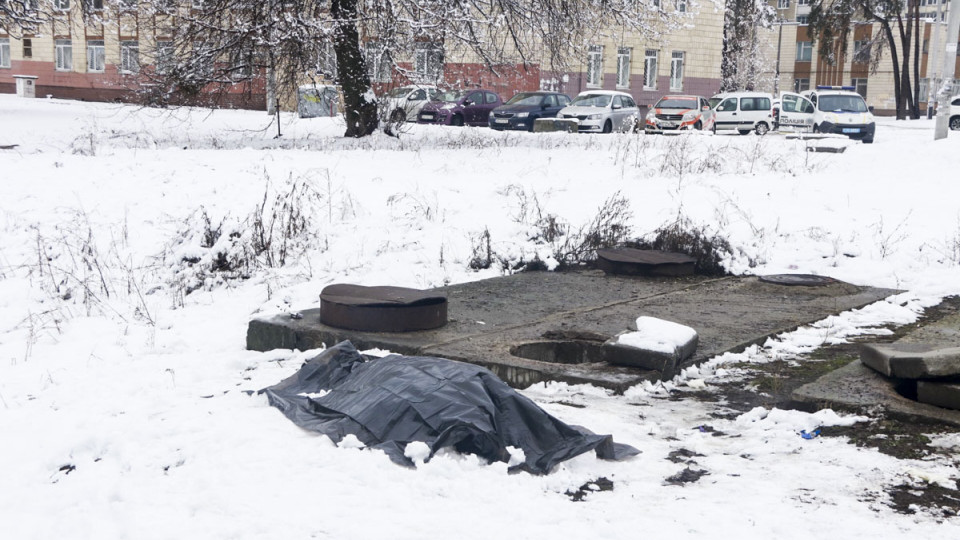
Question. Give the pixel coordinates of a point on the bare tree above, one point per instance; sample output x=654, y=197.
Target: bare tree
x=224, y=43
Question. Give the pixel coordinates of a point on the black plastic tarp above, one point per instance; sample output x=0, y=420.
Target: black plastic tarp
x=391, y=401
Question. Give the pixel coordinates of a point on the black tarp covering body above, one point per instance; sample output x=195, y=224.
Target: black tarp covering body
x=391, y=401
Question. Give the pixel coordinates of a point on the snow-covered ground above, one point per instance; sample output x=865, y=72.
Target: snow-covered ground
x=124, y=403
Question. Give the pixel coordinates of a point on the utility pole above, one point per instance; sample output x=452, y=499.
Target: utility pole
x=949, y=68
x=776, y=78
x=932, y=68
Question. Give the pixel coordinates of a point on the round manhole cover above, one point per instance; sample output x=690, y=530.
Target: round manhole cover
x=798, y=280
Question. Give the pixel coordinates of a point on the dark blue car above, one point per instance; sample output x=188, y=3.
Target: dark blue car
x=525, y=107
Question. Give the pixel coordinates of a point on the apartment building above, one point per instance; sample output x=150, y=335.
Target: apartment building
x=801, y=67
x=111, y=53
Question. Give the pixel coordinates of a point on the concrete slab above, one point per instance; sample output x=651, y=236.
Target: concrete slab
x=941, y=394
x=537, y=326
x=858, y=388
x=910, y=360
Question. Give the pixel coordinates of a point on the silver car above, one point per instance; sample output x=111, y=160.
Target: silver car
x=602, y=111
x=404, y=103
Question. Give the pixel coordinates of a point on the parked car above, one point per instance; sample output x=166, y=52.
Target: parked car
x=743, y=111
x=838, y=109
x=405, y=102
x=523, y=109
x=675, y=113
x=602, y=111
x=955, y=113
x=460, y=108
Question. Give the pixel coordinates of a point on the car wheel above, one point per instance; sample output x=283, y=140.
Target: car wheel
x=698, y=126
x=713, y=128
x=868, y=141
x=398, y=117
x=955, y=123
x=762, y=128
x=608, y=126
x=457, y=120
x=816, y=128
x=743, y=131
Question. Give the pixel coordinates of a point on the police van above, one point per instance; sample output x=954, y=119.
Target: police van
x=828, y=109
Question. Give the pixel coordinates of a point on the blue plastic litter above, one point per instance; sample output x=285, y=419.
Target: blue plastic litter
x=812, y=435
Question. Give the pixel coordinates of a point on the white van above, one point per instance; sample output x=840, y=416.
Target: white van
x=743, y=111
x=828, y=109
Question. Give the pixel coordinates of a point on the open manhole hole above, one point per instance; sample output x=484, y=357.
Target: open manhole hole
x=644, y=262
x=561, y=352
x=381, y=309
x=798, y=280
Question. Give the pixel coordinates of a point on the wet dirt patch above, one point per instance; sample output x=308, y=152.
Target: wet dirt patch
x=686, y=476
x=600, y=484
x=932, y=498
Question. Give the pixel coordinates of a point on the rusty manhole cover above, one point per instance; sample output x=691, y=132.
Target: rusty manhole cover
x=381, y=309
x=798, y=280
x=647, y=262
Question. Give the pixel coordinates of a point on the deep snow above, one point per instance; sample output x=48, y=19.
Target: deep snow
x=124, y=409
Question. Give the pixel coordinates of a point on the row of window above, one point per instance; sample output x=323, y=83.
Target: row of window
x=624, y=60
x=97, y=5
x=96, y=55
x=859, y=84
x=861, y=51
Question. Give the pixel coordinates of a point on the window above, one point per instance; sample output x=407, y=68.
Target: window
x=92, y=5
x=729, y=104
x=676, y=71
x=861, y=51
x=804, y=51
x=801, y=85
x=196, y=4
x=682, y=6
x=923, y=94
x=429, y=62
x=650, y=70
x=4, y=52
x=926, y=46
x=61, y=5
x=628, y=102
x=803, y=2
x=755, y=104
x=783, y=4
x=28, y=48
x=326, y=63
x=128, y=5
x=164, y=6
x=241, y=63
x=378, y=61
x=95, y=56
x=595, y=65
x=64, y=55
x=861, y=87
x=623, y=67
x=129, y=56
x=490, y=97
x=165, y=56
x=803, y=19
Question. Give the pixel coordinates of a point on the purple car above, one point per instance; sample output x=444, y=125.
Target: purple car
x=460, y=108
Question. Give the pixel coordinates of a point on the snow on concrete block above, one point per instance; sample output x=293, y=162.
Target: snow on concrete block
x=656, y=344
x=946, y=395
x=911, y=360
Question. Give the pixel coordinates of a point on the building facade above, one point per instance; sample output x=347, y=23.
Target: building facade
x=801, y=67
x=105, y=53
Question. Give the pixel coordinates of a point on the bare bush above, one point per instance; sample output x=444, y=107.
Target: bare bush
x=682, y=236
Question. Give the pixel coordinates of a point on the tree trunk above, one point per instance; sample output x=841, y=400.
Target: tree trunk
x=906, y=101
x=916, y=59
x=359, y=112
x=891, y=41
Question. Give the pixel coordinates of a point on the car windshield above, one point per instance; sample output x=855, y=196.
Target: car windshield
x=451, y=96
x=591, y=100
x=400, y=92
x=841, y=104
x=526, y=99
x=676, y=103
x=714, y=101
